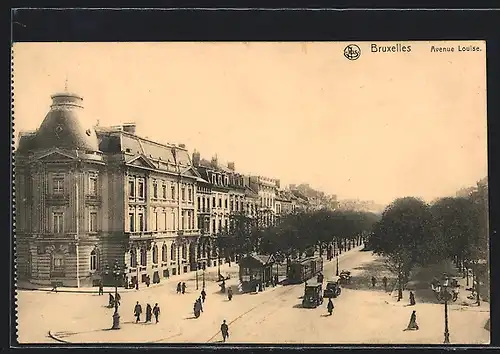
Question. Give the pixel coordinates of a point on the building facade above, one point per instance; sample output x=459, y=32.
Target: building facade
x=266, y=188
x=87, y=197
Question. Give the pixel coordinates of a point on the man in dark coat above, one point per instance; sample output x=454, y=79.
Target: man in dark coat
x=149, y=313
x=374, y=281
x=413, y=322
x=137, y=284
x=203, y=295
x=156, y=312
x=183, y=288
x=384, y=281
x=179, y=288
x=101, y=288
x=137, y=312
x=224, y=328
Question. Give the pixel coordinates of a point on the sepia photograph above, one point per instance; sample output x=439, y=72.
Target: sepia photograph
x=223, y=193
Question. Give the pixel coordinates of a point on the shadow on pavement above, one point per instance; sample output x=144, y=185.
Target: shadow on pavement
x=298, y=306
x=363, y=280
x=326, y=315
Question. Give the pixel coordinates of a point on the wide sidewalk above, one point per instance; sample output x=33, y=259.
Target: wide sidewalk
x=209, y=272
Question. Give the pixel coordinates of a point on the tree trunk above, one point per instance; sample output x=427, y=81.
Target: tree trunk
x=400, y=287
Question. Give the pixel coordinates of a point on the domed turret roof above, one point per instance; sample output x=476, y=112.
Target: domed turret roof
x=64, y=126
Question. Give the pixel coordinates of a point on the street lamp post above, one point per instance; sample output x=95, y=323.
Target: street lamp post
x=443, y=293
x=337, y=271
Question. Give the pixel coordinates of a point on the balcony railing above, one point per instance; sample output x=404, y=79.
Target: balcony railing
x=92, y=199
x=57, y=198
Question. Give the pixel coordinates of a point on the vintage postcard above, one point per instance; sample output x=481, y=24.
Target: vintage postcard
x=227, y=193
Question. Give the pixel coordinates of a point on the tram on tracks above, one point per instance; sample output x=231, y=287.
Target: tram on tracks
x=304, y=269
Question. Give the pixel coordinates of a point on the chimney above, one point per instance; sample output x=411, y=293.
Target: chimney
x=129, y=127
x=215, y=162
x=278, y=182
x=230, y=165
x=196, y=158
x=182, y=146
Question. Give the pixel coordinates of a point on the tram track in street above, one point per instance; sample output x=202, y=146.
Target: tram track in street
x=287, y=290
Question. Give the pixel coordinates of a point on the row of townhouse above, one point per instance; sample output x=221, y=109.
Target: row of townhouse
x=89, y=197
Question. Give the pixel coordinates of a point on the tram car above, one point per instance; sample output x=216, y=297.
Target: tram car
x=304, y=269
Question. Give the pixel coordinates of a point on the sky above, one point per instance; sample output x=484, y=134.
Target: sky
x=384, y=126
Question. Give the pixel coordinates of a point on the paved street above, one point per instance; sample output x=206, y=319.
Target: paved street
x=274, y=316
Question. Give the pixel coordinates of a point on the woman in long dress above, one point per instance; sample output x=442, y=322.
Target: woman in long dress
x=149, y=313
x=413, y=322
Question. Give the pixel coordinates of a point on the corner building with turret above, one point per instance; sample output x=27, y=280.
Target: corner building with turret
x=87, y=197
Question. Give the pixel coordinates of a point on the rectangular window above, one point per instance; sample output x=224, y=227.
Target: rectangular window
x=232, y=205
x=155, y=190
x=93, y=261
x=165, y=220
x=220, y=202
x=220, y=226
x=190, y=194
x=183, y=193
x=164, y=191
x=131, y=189
x=237, y=205
x=203, y=207
x=213, y=202
x=131, y=222
x=140, y=187
x=93, y=185
x=172, y=190
x=173, y=221
x=199, y=204
x=141, y=222
x=58, y=222
x=225, y=203
x=183, y=219
x=58, y=263
x=58, y=187
x=214, y=181
x=213, y=227
x=93, y=221
x=155, y=221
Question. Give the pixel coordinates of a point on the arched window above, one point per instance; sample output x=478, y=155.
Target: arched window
x=133, y=258
x=155, y=254
x=172, y=253
x=164, y=253
x=93, y=261
x=144, y=256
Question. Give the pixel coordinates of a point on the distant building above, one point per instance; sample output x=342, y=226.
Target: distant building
x=266, y=188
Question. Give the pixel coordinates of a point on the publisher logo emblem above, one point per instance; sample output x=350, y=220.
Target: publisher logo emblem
x=352, y=52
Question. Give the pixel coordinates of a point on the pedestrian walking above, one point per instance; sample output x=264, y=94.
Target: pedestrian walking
x=413, y=322
x=137, y=312
x=148, y=281
x=384, y=281
x=183, y=288
x=156, y=312
x=230, y=294
x=203, y=295
x=200, y=304
x=137, y=284
x=179, y=288
x=374, y=281
x=149, y=313
x=330, y=306
x=197, y=309
x=101, y=288
x=412, y=298
x=224, y=328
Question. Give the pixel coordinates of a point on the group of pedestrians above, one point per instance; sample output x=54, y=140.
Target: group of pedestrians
x=150, y=311
x=198, y=303
x=384, y=282
x=181, y=288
